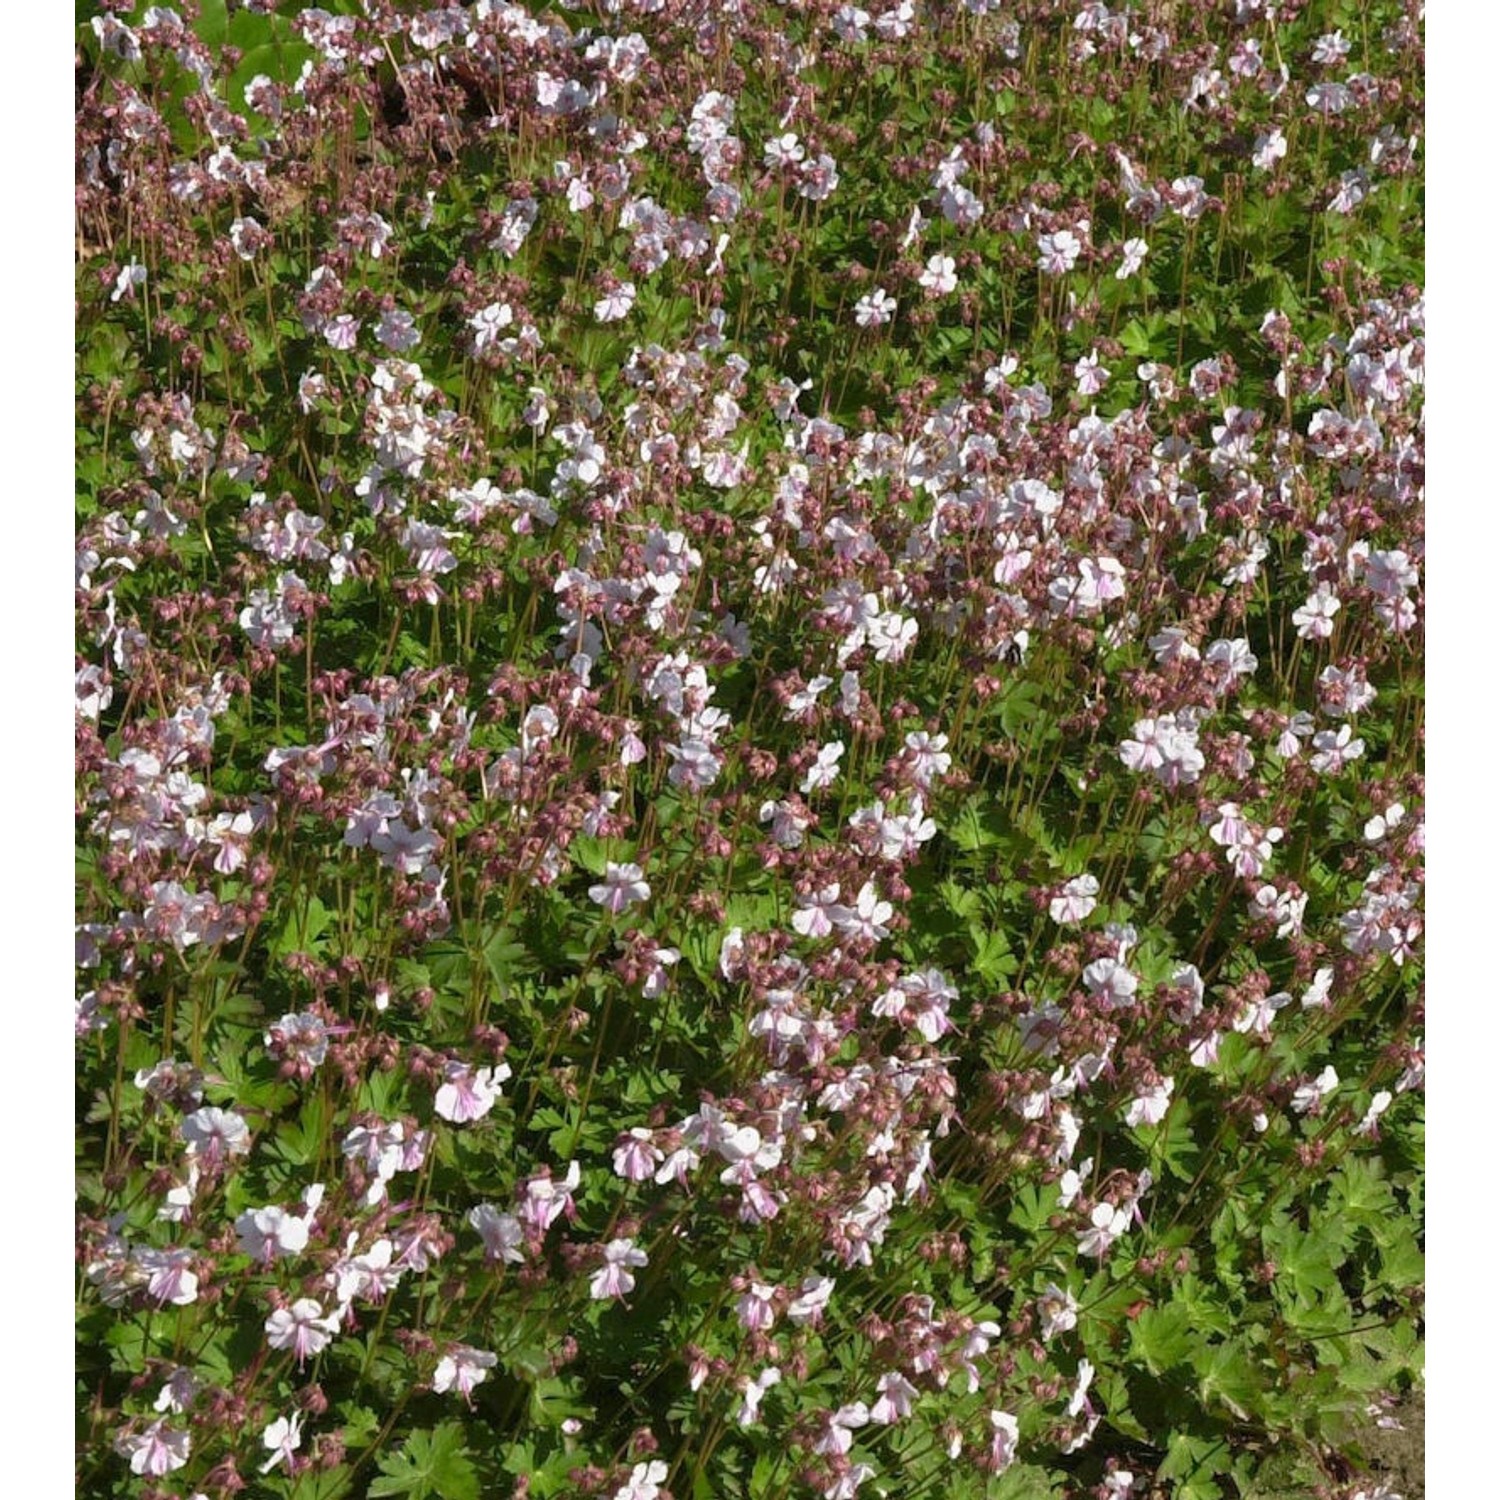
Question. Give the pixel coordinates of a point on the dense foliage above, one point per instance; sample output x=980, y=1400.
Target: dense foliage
x=749, y=748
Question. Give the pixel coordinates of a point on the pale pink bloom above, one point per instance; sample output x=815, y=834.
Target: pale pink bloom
x=1075, y=901
x=1106, y=1225
x=461, y=1369
x=467, y=1094
x=342, y=332
x=1256, y=1016
x=544, y=1199
x=897, y=1397
x=213, y=1135
x=868, y=917
x=501, y=1232
x=819, y=178
x=846, y=1481
x=645, y=1482
x=1333, y=750
x=1007, y=1431
x=265, y=1233
x=1058, y=253
x=807, y=1307
x=929, y=756
x=398, y=330
x=622, y=886
x=1378, y=1106
x=636, y=1157
x=1314, y=619
x=613, y=1279
x=756, y=1308
x=754, y=1393
x=369, y=1276
x=283, y=1437
x=1316, y=994
x=837, y=1428
x=1270, y=148
x=783, y=151
x=1111, y=981
x=875, y=308
x=825, y=769
x=1150, y=1108
x=132, y=276
x=156, y=1451
x=179, y=1393
x=488, y=324
x=615, y=304
x=1132, y=258
x=303, y=1328
x=168, y=1277
x=939, y=277
x=890, y=635
x=1058, y=1311
x=1091, y=376
x=302, y=1036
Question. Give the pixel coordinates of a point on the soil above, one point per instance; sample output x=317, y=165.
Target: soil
x=1399, y=1457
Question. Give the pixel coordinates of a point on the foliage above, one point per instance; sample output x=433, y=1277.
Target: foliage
x=749, y=748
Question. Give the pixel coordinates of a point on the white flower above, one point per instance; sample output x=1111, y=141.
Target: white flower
x=613, y=306
x=283, y=1437
x=467, y=1094
x=783, y=151
x=1058, y=253
x=622, y=886
x=644, y=1483
x=824, y=771
x=127, y=281
x=1132, y=258
x=1269, y=149
x=462, y=1368
x=939, y=278
x=874, y=308
x=1076, y=900
x=613, y=1278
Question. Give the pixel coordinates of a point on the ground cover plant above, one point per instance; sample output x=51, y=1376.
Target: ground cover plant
x=749, y=748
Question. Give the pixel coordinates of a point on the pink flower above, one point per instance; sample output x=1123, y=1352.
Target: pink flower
x=501, y=1232
x=266, y=1233
x=467, y=1093
x=156, y=1451
x=645, y=1482
x=1075, y=901
x=807, y=1307
x=613, y=1279
x=874, y=308
x=897, y=1397
x=215, y=1134
x=636, y=1156
x=1058, y=1310
x=544, y=1201
x=168, y=1278
x=303, y=1328
x=622, y=886
x=939, y=276
x=616, y=303
x=756, y=1308
x=461, y=1369
x=1003, y=1444
x=1058, y=253
x=283, y=1437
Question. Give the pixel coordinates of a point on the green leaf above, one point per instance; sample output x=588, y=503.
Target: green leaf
x=1163, y=1336
x=429, y=1463
x=1227, y=1375
x=1195, y=1461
